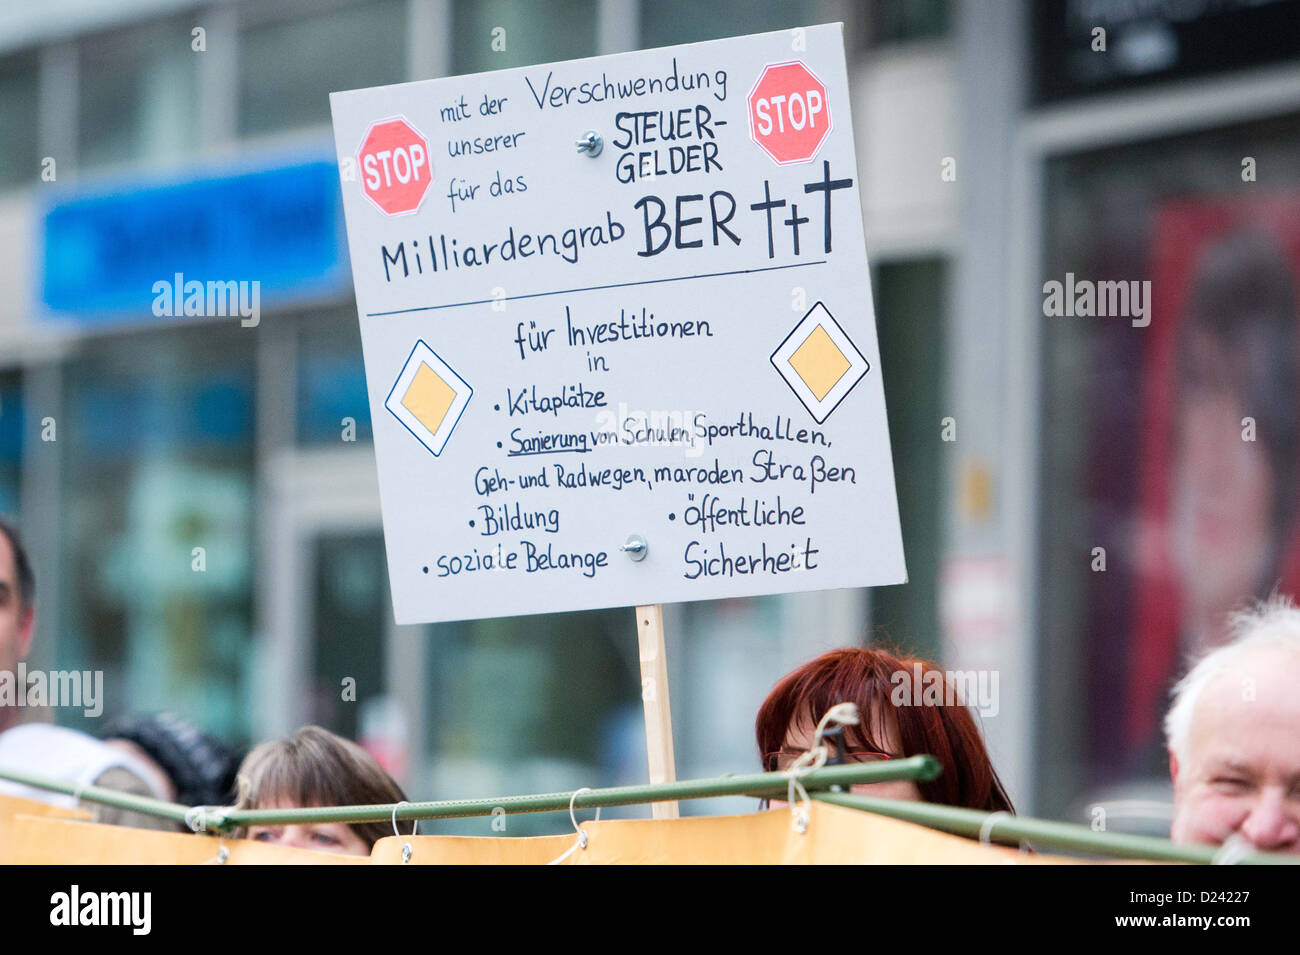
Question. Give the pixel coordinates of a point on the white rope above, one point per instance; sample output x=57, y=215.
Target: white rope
x=581, y=841
x=407, y=849
x=223, y=853
x=842, y=714
x=796, y=794
x=196, y=818
x=991, y=820
x=1234, y=849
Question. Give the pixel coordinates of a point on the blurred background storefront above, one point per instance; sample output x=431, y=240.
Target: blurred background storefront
x=201, y=499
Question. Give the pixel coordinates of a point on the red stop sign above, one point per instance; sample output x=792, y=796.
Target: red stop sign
x=395, y=166
x=789, y=115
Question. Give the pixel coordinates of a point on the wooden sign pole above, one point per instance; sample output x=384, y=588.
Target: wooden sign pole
x=654, y=694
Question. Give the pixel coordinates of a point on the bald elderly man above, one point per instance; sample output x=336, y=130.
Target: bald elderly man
x=1234, y=737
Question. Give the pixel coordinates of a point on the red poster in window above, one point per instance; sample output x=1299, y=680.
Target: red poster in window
x=1216, y=524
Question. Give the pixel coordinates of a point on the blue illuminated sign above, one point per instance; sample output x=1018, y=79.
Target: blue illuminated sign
x=106, y=251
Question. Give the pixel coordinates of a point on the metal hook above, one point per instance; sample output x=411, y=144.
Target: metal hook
x=581, y=842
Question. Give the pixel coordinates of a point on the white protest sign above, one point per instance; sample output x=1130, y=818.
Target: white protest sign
x=672, y=339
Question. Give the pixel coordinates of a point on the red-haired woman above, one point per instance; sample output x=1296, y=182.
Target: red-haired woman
x=874, y=679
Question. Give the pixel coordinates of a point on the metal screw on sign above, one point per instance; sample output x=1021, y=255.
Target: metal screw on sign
x=590, y=143
x=635, y=547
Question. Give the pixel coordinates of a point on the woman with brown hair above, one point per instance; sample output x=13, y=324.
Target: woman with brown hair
x=315, y=768
x=893, y=724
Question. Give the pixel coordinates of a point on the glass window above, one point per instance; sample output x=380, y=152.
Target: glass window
x=722, y=664
x=157, y=534
x=19, y=159
x=1151, y=43
x=1169, y=431
x=910, y=299
x=11, y=441
x=531, y=704
x=496, y=34
x=331, y=383
x=897, y=21
x=350, y=604
x=137, y=95
x=666, y=22
x=288, y=68
x=575, y=714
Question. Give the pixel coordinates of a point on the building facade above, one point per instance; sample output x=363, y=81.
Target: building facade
x=998, y=151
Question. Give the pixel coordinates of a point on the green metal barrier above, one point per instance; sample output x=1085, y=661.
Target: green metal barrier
x=994, y=827
x=1044, y=834
x=757, y=784
x=760, y=785
x=104, y=797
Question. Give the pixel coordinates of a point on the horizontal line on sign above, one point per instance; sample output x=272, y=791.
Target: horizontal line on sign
x=524, y=454
x=595, y=288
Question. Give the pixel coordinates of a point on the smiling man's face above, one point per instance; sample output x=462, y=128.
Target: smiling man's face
x=1241, y=774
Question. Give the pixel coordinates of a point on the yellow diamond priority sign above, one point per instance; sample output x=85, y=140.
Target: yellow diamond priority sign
x=819, y=362
x=428, y=397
